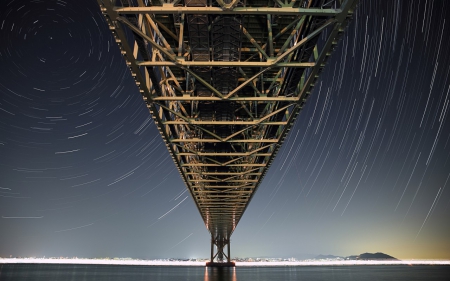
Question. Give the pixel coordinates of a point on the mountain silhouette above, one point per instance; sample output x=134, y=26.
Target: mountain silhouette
x=364, y=256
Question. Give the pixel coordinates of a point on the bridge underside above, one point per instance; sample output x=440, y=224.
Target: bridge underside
x=224, y=81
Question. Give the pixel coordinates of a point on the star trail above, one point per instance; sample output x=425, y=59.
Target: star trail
x=84, y=171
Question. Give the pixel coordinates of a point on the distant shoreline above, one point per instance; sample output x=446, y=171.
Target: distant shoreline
x=202, y=263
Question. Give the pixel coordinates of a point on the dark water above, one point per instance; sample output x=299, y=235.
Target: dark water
x=171, y=273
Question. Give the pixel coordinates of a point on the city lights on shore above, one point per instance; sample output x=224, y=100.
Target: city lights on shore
x=194, y=262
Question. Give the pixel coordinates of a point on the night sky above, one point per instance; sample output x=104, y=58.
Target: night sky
x=84, y=171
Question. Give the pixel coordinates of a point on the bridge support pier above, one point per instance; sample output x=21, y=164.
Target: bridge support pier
x=220, y=258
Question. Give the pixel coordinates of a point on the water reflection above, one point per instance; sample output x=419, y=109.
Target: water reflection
x=46, y=272
x=220, y=274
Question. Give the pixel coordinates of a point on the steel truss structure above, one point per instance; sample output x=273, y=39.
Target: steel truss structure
x=224, y=81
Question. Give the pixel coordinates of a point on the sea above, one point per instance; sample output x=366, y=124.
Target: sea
x=90, y=272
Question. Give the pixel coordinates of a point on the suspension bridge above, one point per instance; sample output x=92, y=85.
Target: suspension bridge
x=224, y=81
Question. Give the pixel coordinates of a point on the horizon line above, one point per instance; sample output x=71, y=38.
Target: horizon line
x=202, y=263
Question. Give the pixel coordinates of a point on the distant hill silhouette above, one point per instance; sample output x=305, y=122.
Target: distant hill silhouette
x=365, y=256
x=376, y=256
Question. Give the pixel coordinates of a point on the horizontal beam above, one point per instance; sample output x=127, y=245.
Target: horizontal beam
x=206, y=204
x=215, y=213
x=223, y=180
x=226, y=218
x=223, y=192
x=224, y=198
x=224, y=186
x=216, y=207
x=182, y=63
x=223, y=214
x=227, y=214
x=231, y=201
x=223, y=165
x=215, y=210
x=223, y=173
x=261, y=98
x=230, y=154
x=229, y=141
x=242, y=79
x=168, y=9
x=236, y=122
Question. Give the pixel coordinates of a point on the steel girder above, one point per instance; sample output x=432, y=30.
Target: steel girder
x=224, y=83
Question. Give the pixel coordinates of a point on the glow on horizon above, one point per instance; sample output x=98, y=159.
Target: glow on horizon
x=238, y=264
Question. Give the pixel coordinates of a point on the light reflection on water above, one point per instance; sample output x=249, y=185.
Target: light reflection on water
x=220, y=274
x=73, y=272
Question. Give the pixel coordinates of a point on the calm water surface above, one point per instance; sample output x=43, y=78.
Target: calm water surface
x=66, y=272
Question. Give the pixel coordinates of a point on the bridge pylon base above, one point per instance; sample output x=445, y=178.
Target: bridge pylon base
x=220, y=257
x=220, y=264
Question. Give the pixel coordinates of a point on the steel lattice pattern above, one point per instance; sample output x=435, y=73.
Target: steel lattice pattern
x=224, y=81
